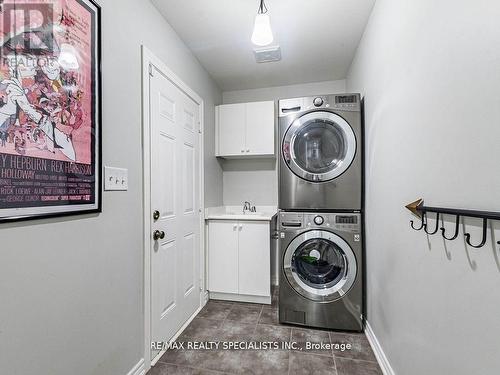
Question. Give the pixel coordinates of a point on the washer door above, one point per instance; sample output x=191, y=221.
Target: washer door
x=320, y=266
x=319, y=146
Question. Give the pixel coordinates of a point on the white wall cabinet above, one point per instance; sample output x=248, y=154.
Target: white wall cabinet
x=239, y=260
x=245, y=130
x=231, y=130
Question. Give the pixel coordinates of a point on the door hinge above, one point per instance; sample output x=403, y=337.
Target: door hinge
x=151, y=70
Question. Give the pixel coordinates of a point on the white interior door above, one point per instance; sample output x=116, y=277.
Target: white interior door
x=175, y=195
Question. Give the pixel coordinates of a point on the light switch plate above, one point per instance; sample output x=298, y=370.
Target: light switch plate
x=115, y=179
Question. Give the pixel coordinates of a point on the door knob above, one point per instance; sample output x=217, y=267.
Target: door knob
x=156, y=215
x=158, y=235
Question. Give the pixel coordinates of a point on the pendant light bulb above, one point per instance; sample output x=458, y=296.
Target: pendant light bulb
x=262, y=32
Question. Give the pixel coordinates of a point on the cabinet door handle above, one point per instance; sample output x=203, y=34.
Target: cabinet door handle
x=235, y=226
x=248, y=150
x=241, y=226
x=242, y=150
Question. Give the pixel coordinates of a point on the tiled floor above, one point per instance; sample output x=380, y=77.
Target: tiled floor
x=231, y=321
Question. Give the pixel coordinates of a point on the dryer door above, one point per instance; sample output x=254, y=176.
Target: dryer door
x=319, y=146
x=320, y=266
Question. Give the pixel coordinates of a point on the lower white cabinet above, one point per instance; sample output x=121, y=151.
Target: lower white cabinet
x=239, y=260
x=223, y=256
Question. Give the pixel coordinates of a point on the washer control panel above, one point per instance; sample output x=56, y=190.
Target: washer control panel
x=295, y=221
x=348, y=222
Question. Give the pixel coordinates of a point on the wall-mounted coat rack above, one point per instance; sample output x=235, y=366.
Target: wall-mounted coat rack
x=421, y=211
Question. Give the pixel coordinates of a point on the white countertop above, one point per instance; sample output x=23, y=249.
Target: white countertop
x=264, y=213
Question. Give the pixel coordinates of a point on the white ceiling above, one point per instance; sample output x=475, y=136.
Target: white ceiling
x=318, y=38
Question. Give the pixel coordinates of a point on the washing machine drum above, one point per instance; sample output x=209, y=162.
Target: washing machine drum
x=319, y=146
x=320, y=265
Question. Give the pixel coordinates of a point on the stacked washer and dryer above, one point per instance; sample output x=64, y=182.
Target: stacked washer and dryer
x=321, y=207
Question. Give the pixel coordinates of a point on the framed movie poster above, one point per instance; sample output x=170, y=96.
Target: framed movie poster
x=50, y=108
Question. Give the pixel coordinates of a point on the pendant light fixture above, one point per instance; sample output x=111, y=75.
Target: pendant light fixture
x=262, y=33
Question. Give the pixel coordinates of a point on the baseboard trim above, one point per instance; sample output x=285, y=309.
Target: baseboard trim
x=240, y=298
x=205, y=298
x=138, y=369
x=176, y=336
x=379, y=352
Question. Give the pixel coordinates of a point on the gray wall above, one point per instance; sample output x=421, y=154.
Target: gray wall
x=430, y=73
x=256, y=180
x=283, y=92
x=71, y=289
x=253, y=180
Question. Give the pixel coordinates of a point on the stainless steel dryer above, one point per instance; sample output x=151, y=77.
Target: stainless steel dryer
x=321, y=153
x=321, y=270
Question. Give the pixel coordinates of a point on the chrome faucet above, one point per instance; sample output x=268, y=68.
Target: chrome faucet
x=248, y=207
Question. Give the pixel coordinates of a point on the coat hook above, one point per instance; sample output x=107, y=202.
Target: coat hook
x=467, y=236
x=457, y=224
x=437, y=226
x=423, y=222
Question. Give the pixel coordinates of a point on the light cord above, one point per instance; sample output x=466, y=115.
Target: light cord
x=262, y=8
